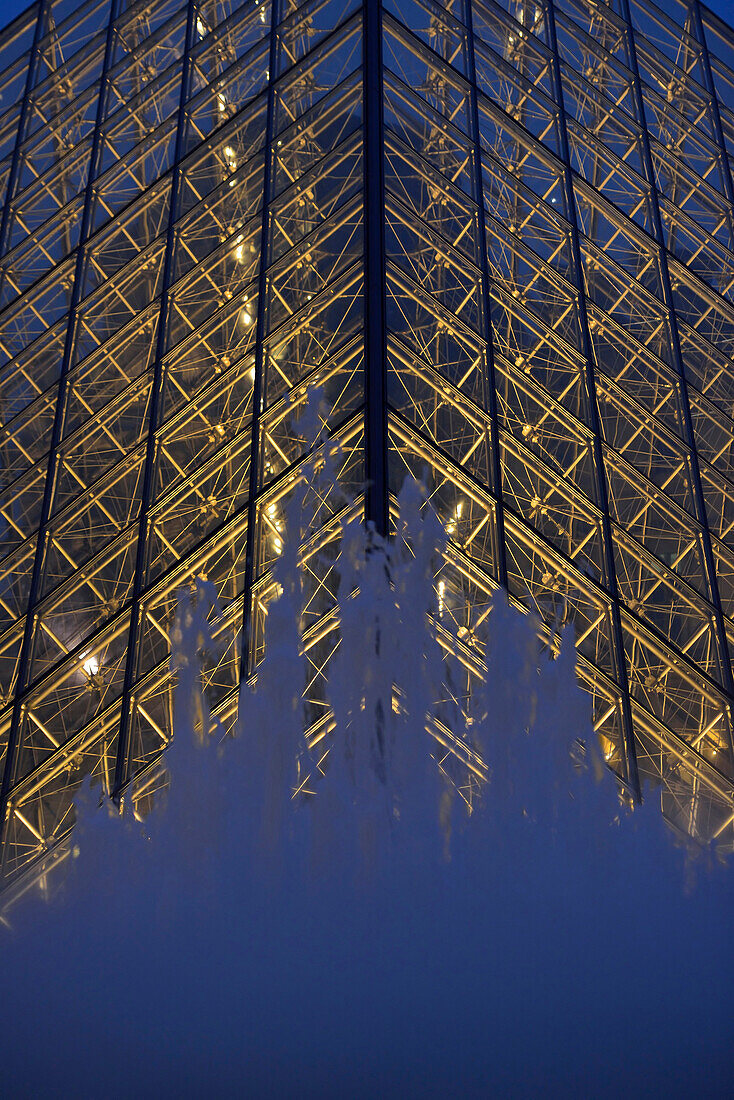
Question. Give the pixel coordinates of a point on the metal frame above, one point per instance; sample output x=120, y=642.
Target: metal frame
x=499, y=237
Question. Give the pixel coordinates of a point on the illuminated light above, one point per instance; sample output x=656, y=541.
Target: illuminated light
x=277, y=544
x=90, y=666
x=271, y=509
x=307, y=346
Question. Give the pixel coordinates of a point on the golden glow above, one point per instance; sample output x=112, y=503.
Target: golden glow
x=90, y=666
x=518, y=489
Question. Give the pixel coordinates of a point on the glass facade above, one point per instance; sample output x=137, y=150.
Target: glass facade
x=499, y=238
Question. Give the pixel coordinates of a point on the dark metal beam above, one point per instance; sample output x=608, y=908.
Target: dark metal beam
x=377, y=497
x=668, y=301
x=251, y=545
x=122, y=776
x=26, y=653
x=489, y=380
x=631, y=776
x=35, y=55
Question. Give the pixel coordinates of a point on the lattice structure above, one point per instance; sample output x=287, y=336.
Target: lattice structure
x=500, y=238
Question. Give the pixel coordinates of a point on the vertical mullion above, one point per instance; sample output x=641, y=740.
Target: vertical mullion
x=377, y=495
x=33, y=61
x=122, y=777
x=489, y=380
x=715, y=113
x=669, y=304
x=631, y=776
x=24, y=663
x=246, y=652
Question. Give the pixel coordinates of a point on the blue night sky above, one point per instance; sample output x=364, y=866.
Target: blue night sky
x=724, y=8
